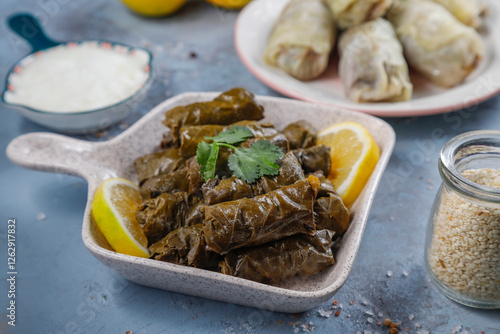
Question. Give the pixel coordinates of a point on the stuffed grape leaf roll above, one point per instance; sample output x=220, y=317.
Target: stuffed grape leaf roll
x=372, y=65
x=316, y=158
x=230, y=189
x=253, y=221
x=191, y=136
x=232, y=106
x=435, y=43
x=165, y=183
x=300, y=134
x=154, y=164
x=167, y=212
x=297, y=255
x=302, y=39
x=185, y=246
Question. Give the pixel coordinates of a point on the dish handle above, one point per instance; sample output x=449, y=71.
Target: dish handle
x=28, y=27
x=59, y=154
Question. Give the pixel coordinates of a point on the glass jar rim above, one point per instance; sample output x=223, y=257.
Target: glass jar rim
x=452, y=177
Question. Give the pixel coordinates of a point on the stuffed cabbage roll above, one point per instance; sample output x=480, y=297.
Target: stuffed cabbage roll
x=466, y=11
x=165, y=183
x=350, y=13
x=300, y=134
x=230, y=189
x=315, y=158
x=298, y=255
x=185, y=246
x=232, y=106
x=154, y=164
x=302, y=39
x=167, y=212
x=254, y=221
x=372, y=65
x=435, y=43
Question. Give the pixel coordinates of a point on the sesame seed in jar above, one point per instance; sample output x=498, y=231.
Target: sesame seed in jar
x=464, y=252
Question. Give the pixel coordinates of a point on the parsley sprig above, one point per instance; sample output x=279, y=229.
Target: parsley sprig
x=248, y=164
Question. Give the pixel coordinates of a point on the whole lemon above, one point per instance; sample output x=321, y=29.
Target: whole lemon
x=154, y=7
x=230, y=4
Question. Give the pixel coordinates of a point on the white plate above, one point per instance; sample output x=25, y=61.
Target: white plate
x=96, y=162
x=254, y=25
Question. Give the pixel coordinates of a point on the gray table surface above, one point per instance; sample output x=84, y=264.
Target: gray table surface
x=62, y=288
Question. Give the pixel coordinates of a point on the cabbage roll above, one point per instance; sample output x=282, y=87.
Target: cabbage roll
x=350, y=13
x=435, y=43
x=232, y=106
x=300, y=134
x=298, y=255
x=167, y=212
x=466, y=11
x=372, y=65
x=302, y=39
x=254, y=221
x=230, y=189
x=185, y=246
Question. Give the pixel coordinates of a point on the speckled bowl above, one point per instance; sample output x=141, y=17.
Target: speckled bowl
x=71, y=122
x=96, y=162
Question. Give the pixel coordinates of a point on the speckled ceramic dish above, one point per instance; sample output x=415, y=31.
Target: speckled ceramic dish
x=80, y=121
x=96, y=162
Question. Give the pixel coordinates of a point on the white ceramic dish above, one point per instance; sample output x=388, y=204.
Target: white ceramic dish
x=81, y=121
x=255, y=23
x=96, y=162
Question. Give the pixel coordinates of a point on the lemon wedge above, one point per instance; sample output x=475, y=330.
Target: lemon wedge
x=354, y=157
x=154, y=7
x=230, y=4
x=113, y=209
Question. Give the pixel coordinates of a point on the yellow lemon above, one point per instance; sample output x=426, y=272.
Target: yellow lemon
x=113, y=209
x=354, y=157
x=230, y=4
x=154, y=7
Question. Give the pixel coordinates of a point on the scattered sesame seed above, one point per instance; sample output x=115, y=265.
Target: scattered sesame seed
x=417, y=325
x=389, y=273
x=41, y=216
x=411, y=317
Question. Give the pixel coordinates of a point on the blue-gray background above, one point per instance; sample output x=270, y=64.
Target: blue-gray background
x=61, y=288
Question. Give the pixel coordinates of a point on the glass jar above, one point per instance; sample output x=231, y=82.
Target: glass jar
x=462, y=251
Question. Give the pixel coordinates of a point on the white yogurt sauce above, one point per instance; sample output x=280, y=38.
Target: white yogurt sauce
x=78, y=77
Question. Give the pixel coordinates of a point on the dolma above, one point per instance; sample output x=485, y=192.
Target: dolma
x=185, y=246
x=167, y=212
x=435, y=43
x=165, y=183
x=254, y=221
x=466, y=11
x=316, y=158
x=230, y=189
x=191, y=136
x=273, y=262
x=300, y=134
x=331, y=213
x=302, y=39
x=232, y=106
x=154, y=164
x=194, y=176
x=277, y=139
x=350, y=13
x=372, y=65
x=329, y=209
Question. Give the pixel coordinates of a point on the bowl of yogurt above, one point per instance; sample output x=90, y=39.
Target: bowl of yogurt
x=75, y=87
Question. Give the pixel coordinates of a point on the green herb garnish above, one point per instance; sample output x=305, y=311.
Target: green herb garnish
x=248, y=164
x=236, y=134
